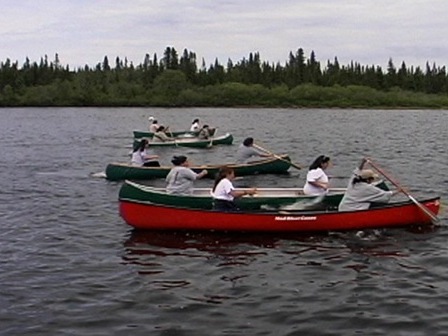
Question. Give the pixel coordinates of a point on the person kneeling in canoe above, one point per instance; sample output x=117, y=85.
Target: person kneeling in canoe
x=204, y=133
x=195, y=125
x=316, y=178
x=224, y=193
x=361, y=193
x=141, y=158
x=153, y=125
x=180, y=179
x=246, y=151
x=160, y=135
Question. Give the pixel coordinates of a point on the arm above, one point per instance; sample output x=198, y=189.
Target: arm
x=319, y=184
x=190, y=174
x=240, y=193
x=201, y=174
x=256, y=152
x=363, y=162
x=358, y=169
x=151, y=157
x=376, y=195
x=162, y=136
x=166, y=137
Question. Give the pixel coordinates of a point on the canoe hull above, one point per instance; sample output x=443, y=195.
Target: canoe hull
x=123, y=171
x=176, y=134
x=226, y=139
x=156, y=217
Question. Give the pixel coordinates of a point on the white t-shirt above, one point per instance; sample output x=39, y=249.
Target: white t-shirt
x=194, y=127
x=315, y=175
x=223, y=189
x=153, y=128
x=138, y=158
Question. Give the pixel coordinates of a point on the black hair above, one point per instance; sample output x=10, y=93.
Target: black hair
x=140, y=145
x=248, y=142
x=319, y=161
x=160, y=128
x=222, y=173
x=178, y=160
x=358, y=179
x=195, y=121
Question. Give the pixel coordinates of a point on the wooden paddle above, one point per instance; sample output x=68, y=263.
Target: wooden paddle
x=421, y=206
x=276, y=156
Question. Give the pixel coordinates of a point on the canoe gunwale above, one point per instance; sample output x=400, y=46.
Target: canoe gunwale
x=289, y=212
x=225, y=139
x=264, y=192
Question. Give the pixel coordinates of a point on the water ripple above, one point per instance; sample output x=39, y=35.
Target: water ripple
x=71, y=266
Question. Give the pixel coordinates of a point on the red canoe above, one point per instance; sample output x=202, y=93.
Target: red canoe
x=141, y=215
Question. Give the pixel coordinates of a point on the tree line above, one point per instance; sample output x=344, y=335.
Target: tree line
x=177, y=80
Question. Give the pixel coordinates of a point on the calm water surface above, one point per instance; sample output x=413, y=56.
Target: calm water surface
x=71, y=266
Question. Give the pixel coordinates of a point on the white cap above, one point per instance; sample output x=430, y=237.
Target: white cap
x=151, y=118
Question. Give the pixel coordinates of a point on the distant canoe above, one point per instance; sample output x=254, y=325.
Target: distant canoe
x=125, y=171
x=201, y=198
x=175, y=134
x=194, y=142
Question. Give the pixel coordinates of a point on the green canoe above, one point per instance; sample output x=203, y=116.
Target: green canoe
x=175, y=134
x=265, y=198
x=226, y=139
x=125, y=171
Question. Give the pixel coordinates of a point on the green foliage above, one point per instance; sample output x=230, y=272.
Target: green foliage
x=176, y=80
x=170, y=83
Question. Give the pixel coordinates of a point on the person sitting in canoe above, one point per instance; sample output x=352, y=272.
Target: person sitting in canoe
x=180, y=179
x=361, y=193
x=195, y=126
x=160, y=135
x=247, y=151
x=316, y=179
x=140, y=156
x=224, y=193
x=204, y=133
x=153, y=125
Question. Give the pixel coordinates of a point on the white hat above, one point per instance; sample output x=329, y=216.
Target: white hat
x=151, y=118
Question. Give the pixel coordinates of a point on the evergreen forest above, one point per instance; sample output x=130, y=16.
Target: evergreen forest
x=176, y=80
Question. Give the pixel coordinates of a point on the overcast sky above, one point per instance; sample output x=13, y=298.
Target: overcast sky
x=365, y=31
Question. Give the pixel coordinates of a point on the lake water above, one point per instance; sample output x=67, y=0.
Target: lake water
x=71, y=266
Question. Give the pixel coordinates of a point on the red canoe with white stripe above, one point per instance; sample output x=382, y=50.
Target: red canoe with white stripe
x=145, y=215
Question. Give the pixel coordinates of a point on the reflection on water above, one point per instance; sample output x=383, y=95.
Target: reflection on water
x=234, y=269
x=147, y=249
x=232, y=248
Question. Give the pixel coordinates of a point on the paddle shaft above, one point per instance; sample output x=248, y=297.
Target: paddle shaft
x=421, y=206
x=277, y=156
x=172, y=136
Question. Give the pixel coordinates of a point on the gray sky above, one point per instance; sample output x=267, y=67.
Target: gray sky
x=366, y=31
